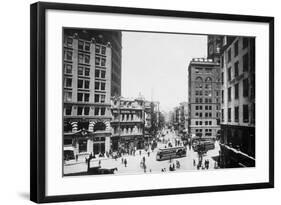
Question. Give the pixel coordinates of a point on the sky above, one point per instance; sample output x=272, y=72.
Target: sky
x=156, y=65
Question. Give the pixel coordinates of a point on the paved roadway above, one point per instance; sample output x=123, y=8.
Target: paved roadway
x=133, y=165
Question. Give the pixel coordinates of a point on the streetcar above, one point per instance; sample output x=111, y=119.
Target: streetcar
x=170, y=153
x=203, y=146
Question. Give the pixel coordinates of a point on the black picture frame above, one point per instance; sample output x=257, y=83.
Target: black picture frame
x=38, y=100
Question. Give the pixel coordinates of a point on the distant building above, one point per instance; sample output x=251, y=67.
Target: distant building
x=87, y=68
x=204, y=98
x=238, y=102
x=183, y=118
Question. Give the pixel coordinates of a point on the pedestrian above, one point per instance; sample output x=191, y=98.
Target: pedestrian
x=143, y=159
x=125, y=162
x=194, y=163
x=99, y=162
x=76, y=157
x=173, y=167
x=148, y=153
x=140, y=152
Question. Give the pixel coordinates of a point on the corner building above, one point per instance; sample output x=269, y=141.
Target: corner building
x=204, y=98
x=87, y=68
x=238, y=102
x=127, y=124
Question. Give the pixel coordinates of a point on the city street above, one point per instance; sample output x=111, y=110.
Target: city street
x=134, y=162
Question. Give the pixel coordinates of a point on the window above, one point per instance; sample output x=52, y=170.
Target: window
x=86, y=97
x=97, y=61
x=206, y=122
x=97, y=49
x=69, y=55
x=102, y=74
x=87, y=46
x=97, y=73
x=69, y=42
x=196, y=107
x=80, y=70
x=97, y=98
x=84, y=45
x=198, y=70
x=222, y=96
x=103, y=62
x=206, y=107
x=196, y=123
x=80, y=58
x=229, y=94
x=80, y=45
x=236, y=90
x=83, y=97
x=67, y=68
x=236, y=68
x=229, y=73
x=245, y=87
x=87, y=59
x=68, y=82
x=236, y=114
x=87, y=71
x=245, y=113
x=67, y=96
x=80, y=110
x=80, y=83
x=86, y=110
x=235, y=48
x=83, y=58
x=245, y=62
x=102, y=99
x=97, y=110
x=245, y=43
x=222, y=78
x=103, y=49
x=229, y=55
x=80, y=97
x=83, y=71
x=87, y=84
x=222, y=115
x=229, y=114
x=68, y=110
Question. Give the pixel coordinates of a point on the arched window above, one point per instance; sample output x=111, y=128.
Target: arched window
x=67, y=127
x=99, y=126
x=83, y=125
x=208, y=79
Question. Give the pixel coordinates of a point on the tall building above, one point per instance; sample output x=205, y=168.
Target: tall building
x=214, y=47
x=103, y=37
x=87, y=87
x=238, y=102
x=204, y=98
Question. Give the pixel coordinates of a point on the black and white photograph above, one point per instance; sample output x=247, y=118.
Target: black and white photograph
x=138, y=102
